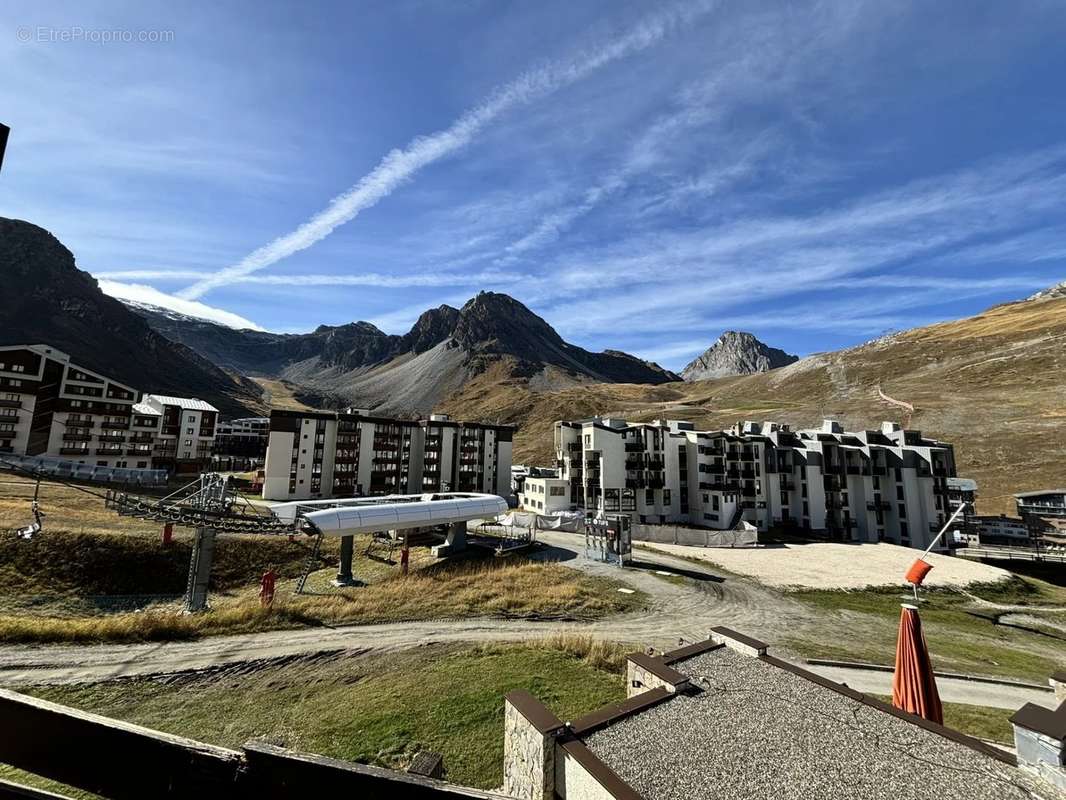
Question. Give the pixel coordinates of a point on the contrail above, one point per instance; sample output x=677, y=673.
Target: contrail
x=400, y=164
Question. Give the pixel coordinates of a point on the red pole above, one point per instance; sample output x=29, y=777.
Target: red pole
x=168, y=533
x=405, y=558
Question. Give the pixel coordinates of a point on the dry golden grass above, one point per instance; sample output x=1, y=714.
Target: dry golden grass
x=507, y=589
x=279, y=394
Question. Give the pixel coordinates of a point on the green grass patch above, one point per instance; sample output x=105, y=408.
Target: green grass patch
x=963, y=635
x=981, y=722
x=380, y=709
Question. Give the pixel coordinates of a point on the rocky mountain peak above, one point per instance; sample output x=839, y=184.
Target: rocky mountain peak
x=493, y=322
x=736, y=353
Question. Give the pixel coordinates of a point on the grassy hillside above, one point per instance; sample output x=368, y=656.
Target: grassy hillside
x=991, y=384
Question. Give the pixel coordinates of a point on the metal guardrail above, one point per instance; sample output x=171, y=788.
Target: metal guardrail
x=1010, y=554
x=120, y=761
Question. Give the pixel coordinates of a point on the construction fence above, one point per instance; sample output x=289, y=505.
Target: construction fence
x=747, y=536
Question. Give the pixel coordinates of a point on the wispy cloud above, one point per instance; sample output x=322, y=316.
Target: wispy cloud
x=376, y=279
x=147, y=295
x=401, y=164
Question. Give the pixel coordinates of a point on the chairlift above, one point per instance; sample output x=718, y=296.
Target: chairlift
x=29, y=531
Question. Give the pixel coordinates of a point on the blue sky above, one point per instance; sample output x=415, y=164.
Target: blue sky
x=642, y=175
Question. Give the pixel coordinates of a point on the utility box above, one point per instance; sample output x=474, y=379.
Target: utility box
x=609, y=539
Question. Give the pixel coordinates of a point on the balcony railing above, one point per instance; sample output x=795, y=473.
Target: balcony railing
x=118, y=426
x=108, y=451
x=10, y=403
x=77, y=437
x=79, y=423
x=74, y=451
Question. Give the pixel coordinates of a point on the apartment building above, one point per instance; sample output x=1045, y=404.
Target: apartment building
x=1043, y=511
x=185, y=435
x=326, y=454
x=50, y=406
x=879, y=485
x=545, y=494
x=241, y=443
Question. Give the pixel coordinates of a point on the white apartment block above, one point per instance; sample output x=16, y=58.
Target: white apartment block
x=545, y=495
x=354, y=454
x=881, y=485
x=50, y=406
x=186, y=433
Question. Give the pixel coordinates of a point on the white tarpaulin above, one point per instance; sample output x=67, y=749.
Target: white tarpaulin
x=563, y=521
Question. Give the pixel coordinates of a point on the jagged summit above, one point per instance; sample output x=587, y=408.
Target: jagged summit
x=736, y=353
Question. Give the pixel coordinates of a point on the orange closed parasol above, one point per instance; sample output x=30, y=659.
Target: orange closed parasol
x=913, y=684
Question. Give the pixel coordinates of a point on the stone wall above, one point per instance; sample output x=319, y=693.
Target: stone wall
x=528, y=758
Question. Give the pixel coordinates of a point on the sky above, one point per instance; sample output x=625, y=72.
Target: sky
x=642, y=175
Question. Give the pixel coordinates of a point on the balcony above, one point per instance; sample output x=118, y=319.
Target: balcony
x=112, y=437
x=10, y=403
x=634, y=447
x=74, y=451
x=147, y=451
x=118, y=426
x=654, y=463
x=654, y=483
x=634, y=483
x=749, y=491
x=77, y=437
x=711, y=487
x=573, y=447
x=79, y=423
x=108, y=451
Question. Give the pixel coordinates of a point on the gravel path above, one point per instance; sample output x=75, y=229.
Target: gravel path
x=831, y=565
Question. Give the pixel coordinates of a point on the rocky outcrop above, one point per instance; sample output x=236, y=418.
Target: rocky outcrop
x=736, y=353
x=1051, y=293
x=50, y=301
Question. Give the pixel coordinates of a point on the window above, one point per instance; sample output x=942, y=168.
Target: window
x=142, y=465
x=191, y=418
x=902, y=511
x=189, y=431
x=558, y=491
x=899, y=492
x=666, y=497
x=188, y=442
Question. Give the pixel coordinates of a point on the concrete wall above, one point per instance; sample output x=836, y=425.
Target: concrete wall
x=573, y=782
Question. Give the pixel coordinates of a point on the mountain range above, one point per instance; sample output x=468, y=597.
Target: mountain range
x=446, y=348
x=990, y=384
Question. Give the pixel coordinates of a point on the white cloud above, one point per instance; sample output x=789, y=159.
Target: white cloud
x=139, y=293
x=401, y=164
x=377, y=279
